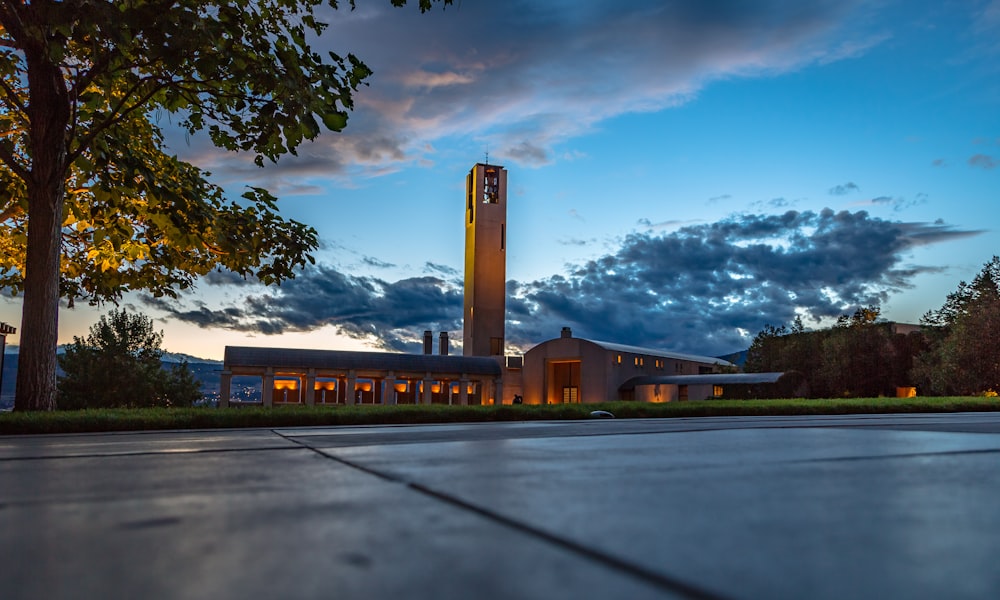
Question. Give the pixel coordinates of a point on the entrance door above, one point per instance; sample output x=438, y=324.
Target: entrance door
x=563, y=382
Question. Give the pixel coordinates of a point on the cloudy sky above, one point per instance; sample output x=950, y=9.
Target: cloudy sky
x=680, y=173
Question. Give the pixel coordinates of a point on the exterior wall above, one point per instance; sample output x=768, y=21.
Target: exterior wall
x=485, y=261
x=603, y=371
x=593, y=370
x=368, y=386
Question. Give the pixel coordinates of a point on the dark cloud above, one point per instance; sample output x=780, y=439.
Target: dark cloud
x=715, y=199
x=378, y=264
x=703, y=288
x=528, y=153
x=323, y=296
x=844, y=189
x=220, y=277
x=443, y=270
x=983, y=161
x=939, y=162
x=898, y=204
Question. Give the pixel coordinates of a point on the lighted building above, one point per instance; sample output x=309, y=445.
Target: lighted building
x=565, y=369
x=570, y=369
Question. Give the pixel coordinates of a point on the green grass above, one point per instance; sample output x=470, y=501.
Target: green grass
x=210, y=418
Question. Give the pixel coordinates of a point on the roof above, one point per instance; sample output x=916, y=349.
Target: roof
x=245, y=356
x=708, y=379
x=661, y=353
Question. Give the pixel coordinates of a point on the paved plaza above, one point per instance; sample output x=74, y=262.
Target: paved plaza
x=903, y=506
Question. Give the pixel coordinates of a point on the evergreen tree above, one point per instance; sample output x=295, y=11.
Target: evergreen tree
x=964, y=357
x=119, y=365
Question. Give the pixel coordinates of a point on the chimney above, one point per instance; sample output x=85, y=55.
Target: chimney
x=566, y=332
x=443, y=344
x=428, y=342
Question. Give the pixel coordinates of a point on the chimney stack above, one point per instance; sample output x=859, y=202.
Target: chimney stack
x=443, y=344
x=566, y=332
x=428, y=342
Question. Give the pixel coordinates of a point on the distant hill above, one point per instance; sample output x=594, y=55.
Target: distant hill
x=206, y=371
x=737, y=358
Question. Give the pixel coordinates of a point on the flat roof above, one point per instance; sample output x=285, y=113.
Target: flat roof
x=295, y=358
x=661, y=353
x=707, y=379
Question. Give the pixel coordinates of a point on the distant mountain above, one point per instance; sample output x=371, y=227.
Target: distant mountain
x=737, y=358
x=167, y=356
x=176, y=357
x=206, y=371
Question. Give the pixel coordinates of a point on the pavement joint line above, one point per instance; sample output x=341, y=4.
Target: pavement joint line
x=145, y=453
x=894, y=456
x=671, y=584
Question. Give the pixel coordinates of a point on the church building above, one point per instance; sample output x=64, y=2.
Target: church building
x=566, y=369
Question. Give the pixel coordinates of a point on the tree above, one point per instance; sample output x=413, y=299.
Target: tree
x=859, y=356
x=119, y=365
x=963, y=357
x=90, y=204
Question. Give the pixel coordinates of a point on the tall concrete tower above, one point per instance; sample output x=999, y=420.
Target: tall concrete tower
x=485, y=260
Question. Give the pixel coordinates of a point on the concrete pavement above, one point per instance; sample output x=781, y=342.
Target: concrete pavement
x=770, y=507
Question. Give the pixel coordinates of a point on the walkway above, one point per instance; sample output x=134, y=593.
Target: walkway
x=784, y=507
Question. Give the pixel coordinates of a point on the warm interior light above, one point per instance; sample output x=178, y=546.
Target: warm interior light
x=364, y=387
x=286, y=384
x=436, y=388
x=400, y=387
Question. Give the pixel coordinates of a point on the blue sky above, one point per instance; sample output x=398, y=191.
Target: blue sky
x=680, y=173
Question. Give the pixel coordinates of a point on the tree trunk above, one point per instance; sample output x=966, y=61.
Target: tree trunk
x=36, y=368
x=49, y=113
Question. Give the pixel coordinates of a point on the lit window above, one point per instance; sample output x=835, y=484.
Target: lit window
x=717, y=391
x=618, y=359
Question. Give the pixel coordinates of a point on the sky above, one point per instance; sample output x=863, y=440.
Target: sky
x=680, y=174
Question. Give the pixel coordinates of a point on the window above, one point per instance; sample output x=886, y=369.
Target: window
x=496, y=346
x=491, y=185
x=618, y=359
x=503, y=236
x=570, y=395
x=717, y=391
x=659, y=363
x=678, y=367
x=468, y=191
x=638, y=361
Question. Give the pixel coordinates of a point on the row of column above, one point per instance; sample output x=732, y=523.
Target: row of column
x=347, y=388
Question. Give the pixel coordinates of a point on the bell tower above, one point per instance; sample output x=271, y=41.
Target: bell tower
x=485, y=260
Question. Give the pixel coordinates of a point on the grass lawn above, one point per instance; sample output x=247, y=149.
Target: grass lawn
x=12, y=423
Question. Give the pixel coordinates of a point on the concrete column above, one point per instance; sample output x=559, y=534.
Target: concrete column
x=267, y=388
x=497, y=391
x=352, y=394
x=389, y=397
x=463, y=391
x=225, y=388
x=428, y=382
x=309, y=388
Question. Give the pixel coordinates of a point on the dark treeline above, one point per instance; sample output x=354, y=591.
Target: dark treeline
x=955, y=351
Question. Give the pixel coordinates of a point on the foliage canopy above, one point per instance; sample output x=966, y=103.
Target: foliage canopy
x=119, y=365
x=91, y=205
x=964, y=357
